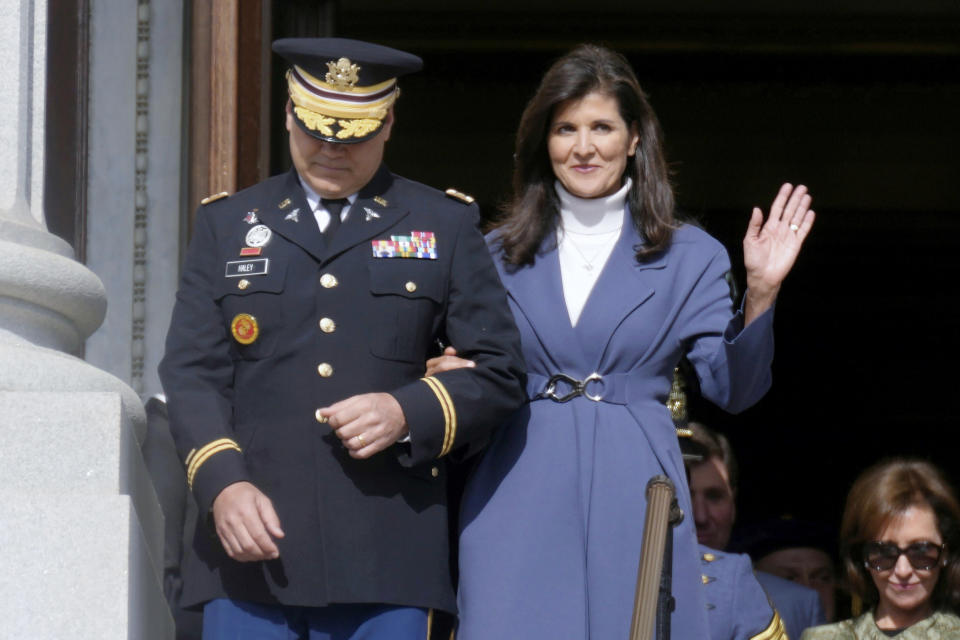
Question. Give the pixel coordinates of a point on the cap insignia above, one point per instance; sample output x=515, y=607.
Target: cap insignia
x=342, y=74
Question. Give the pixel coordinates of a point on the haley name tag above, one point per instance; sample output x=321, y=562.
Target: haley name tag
x=242, y=268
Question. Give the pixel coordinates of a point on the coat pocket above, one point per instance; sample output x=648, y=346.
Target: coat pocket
x=250, y=303
x=408, y=297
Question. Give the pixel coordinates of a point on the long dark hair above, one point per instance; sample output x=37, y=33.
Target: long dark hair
x=884, y=492
x=534, y=206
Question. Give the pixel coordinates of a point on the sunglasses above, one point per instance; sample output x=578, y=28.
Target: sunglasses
x=883, y=556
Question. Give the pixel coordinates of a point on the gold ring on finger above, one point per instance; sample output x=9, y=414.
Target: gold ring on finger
x=360, y=440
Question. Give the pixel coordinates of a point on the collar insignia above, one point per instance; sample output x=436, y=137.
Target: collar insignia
x=251, y=217
x=285, y=203
x=370, y=214
x=293, y=215
x=380, y=201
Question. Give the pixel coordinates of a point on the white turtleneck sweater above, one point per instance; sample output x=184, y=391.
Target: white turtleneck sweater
x=588, y=230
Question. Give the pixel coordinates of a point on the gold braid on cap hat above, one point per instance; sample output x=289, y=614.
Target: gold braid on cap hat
x=320, y=97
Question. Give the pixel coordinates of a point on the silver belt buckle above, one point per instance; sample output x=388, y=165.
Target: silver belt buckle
x=577, y=387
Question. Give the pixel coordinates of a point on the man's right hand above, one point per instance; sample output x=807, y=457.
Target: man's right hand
x=246, y=523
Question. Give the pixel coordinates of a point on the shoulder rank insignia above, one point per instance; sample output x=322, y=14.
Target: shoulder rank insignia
x=214, y=197
x=459, y=195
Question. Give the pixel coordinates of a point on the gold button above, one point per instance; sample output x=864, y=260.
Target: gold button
x=709, y=557
x=320, y=417
x=325, y=370
x=243, y=284
x=434, y=472
x=328, y=281
x=327, y=325
x=411, y=286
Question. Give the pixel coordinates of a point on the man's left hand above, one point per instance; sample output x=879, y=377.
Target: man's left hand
x=367, y=424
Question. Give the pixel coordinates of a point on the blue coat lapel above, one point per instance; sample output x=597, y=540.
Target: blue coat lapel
x=538, y=292
x=619, y=290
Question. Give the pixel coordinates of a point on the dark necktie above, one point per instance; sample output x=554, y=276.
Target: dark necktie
x=333, y=207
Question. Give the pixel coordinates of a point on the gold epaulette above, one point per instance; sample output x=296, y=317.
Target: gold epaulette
x=214, y=197
x=461, y=196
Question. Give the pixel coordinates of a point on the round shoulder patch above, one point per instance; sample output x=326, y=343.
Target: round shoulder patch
x=244, y=328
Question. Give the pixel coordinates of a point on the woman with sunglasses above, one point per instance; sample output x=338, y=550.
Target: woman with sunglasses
x=899, y=540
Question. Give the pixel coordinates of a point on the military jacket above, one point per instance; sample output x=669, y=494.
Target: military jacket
x=271, y=322
x=737, y=606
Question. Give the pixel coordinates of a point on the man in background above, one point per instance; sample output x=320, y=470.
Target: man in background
x=713, y=476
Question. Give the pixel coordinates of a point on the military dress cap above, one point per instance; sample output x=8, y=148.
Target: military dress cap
x=342, y=89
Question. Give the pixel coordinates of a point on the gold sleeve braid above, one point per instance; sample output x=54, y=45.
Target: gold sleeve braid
x=197, y=457
x=774, y=631
x=449, y=413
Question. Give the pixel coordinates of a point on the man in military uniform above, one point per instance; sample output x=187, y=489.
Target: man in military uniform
x=712, y=471
x=295, y=371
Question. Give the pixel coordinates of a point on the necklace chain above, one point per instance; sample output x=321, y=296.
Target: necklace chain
x=587, y=262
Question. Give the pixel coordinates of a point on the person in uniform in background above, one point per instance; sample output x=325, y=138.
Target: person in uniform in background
x=713, y=487
x=737, y=606
x=796, y=550
x=294, y=374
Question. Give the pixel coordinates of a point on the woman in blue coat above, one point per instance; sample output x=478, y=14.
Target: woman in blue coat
x=609, y=291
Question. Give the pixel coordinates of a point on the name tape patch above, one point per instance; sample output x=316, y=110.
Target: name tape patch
x=242, y=268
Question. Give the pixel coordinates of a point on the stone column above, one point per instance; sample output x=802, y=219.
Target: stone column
x=80, y=530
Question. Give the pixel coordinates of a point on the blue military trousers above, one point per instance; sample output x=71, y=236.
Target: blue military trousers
x=225, y=619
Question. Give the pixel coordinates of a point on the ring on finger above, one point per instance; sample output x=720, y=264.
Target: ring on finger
x=794, y=228
x=360, y=440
